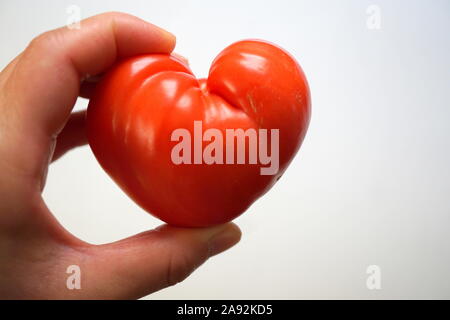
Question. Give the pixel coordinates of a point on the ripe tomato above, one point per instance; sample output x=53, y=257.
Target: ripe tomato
x=143, y=100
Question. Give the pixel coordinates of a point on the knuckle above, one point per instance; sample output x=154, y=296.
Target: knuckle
x=179, y=267
x=43, y=41
x=112, y=15
x=40, y=40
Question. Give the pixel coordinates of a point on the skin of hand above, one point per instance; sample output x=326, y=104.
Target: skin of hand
x=38, y=90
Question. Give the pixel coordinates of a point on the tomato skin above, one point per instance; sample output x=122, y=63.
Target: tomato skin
x=142, y=100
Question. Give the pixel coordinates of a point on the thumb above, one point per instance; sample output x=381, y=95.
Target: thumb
x=147, y=262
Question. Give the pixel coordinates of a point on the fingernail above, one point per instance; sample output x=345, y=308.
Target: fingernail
x=180, y=57
x=169, y=35
x=224, y=238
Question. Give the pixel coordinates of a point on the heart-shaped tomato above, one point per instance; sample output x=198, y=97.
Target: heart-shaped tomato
x=158, y=131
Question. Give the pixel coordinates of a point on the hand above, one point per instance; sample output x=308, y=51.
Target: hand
x=37, y=92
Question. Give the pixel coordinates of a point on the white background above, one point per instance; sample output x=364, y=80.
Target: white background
x=371, y=184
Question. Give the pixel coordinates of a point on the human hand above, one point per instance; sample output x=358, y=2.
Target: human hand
x=38, y=90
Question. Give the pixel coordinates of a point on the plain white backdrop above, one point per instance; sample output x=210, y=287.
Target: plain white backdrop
x=371, y=183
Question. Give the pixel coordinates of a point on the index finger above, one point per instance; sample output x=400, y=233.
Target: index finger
x=47, y=77
x=39, y=89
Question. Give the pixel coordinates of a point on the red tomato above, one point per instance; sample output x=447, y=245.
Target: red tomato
x=141, y=101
